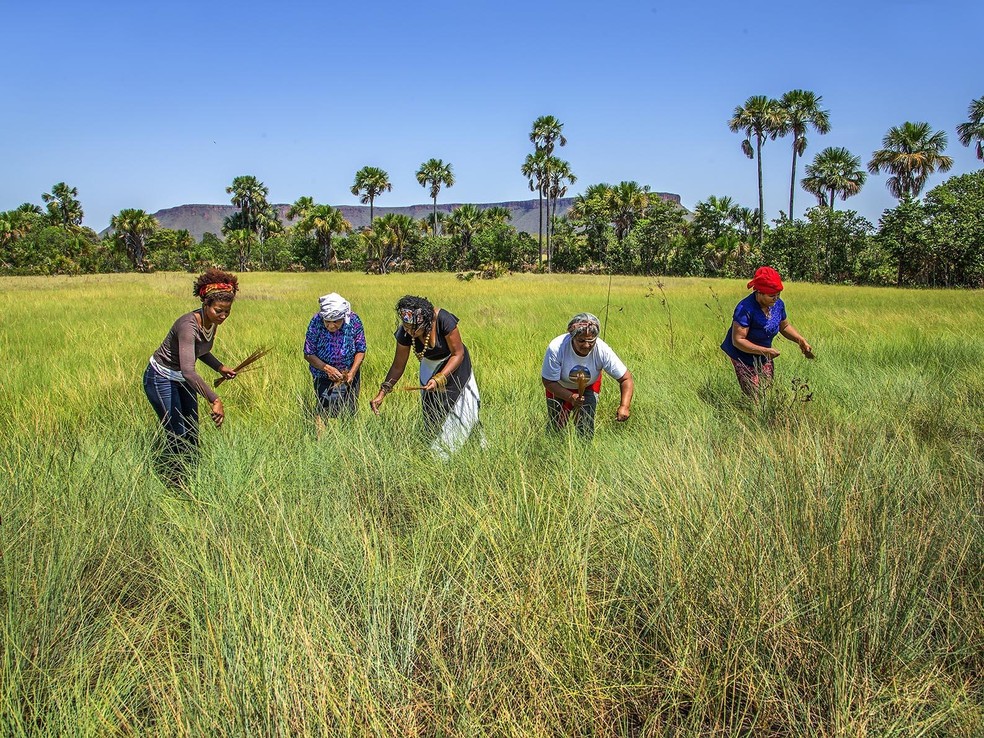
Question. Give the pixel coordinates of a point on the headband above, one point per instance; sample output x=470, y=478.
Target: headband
x=216, y=287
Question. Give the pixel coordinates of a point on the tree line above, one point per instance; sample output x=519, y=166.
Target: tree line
x=621, y=228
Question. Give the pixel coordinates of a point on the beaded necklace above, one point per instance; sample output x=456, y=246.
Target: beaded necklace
x=426, y=344
x=207, y=334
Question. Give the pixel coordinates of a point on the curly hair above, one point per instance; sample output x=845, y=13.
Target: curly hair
x=227, y=292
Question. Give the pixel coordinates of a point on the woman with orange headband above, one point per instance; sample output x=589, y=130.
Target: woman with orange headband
x=171, y=382
x=758, y=319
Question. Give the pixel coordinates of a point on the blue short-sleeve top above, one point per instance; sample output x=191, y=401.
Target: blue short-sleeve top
x=761, y=330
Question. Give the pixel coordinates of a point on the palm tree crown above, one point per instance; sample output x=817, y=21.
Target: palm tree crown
x=435, y=172
x=63, y=207
x=911, y=153
x=973, y=129
x=834, y=171
x=370, y=182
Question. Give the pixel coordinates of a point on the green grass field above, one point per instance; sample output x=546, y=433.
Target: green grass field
x=708, y=568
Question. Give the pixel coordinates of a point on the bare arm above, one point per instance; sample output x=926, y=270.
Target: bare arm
x=561, y=392
x=626, y=386
x=790, y=333
x=392, y=376
x=739, y=339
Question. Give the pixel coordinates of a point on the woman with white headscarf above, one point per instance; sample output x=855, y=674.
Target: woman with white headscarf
x=334, y=346
x=571, y=375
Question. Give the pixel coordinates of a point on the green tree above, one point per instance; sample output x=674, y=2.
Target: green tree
x=300, y=208
x=627, y=202
x=394, y=232
x=64, y=209
x=546, y=134
x=760, y=118
x=956, y=221
x=435, y=173
x=535, y=170
x=591, y=213
x=973, y=129
x=324, y=221
x=834, y=171
x=250, y=196
x=463, y=223
x=801, y=111
x=131, y=228
x=911, y=153
x=903, y=233
x=371, y=182
x=241, y=241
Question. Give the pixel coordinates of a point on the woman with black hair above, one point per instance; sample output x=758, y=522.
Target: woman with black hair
x=449, y=393
x=171, y=382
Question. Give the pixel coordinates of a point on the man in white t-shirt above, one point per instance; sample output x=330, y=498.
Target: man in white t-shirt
x=571, y=375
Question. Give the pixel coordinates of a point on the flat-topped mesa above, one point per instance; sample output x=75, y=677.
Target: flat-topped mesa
x=201, y=219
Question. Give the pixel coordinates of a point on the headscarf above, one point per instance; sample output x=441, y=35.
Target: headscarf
x=334, y=307
x=584, y=323
x=766, y=280
x=416, y=318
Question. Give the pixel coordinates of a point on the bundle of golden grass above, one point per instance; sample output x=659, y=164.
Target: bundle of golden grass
x=246, y=364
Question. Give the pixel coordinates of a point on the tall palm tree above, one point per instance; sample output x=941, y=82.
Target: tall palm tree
x=241, y=239
x=627, y=201
x=249, y=195
x=131, y=228
x=371, y=182
x=973, y=129
x=760, y=118
x=911, y=153
x=834, y=171
x=547, y=132
x=324, y=221
x=535, y=170
x=435, y=172
x=802, y=111
x=63, y=207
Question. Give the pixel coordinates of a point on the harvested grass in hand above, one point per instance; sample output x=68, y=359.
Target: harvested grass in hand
x=246, y=364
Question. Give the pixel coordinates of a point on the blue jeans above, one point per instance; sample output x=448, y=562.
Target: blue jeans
x=560, y=412
x=336, y=400
x=176, y=406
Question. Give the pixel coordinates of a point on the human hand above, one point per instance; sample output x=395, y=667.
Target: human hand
x=333, y=374
x=807, y=349
x=622, y=414
x=770, y=353
x=217, y=413
x=576, y=399
x=226, y=372
x=376, y=401
x=431, y=386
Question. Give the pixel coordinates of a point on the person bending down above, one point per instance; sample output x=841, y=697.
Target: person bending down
x=571, y=375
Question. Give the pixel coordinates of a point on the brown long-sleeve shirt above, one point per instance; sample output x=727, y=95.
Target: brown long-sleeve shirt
x=185, y=343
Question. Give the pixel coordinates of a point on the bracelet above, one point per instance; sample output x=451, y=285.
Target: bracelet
x=441, y=380
x=387, y=386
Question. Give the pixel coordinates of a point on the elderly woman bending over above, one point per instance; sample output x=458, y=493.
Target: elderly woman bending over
x=334, y=346
x=571, y=375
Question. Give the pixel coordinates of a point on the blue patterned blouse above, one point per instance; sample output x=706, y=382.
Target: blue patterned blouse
x=337, y=349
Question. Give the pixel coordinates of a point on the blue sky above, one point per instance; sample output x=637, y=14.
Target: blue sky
x=161, y=104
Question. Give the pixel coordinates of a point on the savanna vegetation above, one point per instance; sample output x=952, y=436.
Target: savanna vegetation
x=622, y=228
x=811, y=566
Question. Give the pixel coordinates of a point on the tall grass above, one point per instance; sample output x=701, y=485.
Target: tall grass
x=705, y=569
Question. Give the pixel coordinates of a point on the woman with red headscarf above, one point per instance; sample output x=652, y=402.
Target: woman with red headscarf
x=757, y=320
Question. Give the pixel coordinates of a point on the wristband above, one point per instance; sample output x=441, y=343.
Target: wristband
x=387, y=386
